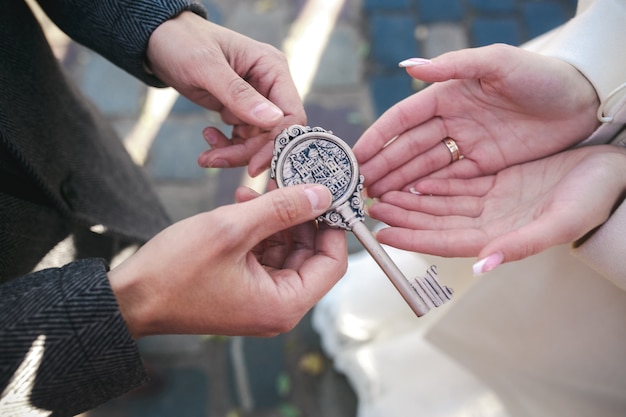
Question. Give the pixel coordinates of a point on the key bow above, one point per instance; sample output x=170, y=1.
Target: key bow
x=312, y=155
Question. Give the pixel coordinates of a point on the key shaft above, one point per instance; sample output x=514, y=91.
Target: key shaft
x=304, y=154
x=382, y=258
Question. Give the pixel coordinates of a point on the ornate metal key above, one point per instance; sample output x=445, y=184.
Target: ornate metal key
x=306, y=155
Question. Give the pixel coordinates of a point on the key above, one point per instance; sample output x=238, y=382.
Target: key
x=307, y=155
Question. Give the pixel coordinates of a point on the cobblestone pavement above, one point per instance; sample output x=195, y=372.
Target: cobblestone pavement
x=348, y=75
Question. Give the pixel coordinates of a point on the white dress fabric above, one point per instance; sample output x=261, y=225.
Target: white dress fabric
x=542, y=337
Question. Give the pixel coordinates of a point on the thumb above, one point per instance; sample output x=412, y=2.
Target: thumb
x=286, y=207
x=243, y=100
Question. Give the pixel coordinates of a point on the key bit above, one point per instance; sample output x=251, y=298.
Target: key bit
x=307, y=155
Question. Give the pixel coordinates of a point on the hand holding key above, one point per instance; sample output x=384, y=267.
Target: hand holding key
x=305, y=155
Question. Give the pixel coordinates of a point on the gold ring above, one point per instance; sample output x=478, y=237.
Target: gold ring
x=453, y=148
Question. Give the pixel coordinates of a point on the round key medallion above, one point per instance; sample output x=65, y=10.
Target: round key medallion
x=305, y=155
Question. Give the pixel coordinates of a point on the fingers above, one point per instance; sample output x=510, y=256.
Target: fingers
x=403, y=116
x=242, y=99
x=451, y=186
x=463, y=205
x=320, y=272
x=526, y=241
x=447, y=243
x=319, y=256
x=417, y=145
x=247, y=81
x=281, y=209
x=411, y=112
x=260, y=160
x=238, y=151
x=555, y=226
x=286, y=248
x=243, y=194
x=474, y=63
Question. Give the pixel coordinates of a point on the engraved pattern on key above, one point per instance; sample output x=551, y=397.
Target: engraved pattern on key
x=321, y=158
x=306, y=155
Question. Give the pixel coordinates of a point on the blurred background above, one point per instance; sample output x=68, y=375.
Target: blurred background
x=343, y=56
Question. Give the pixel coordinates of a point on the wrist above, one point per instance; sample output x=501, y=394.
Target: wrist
x=132, y=302
x=163, y=35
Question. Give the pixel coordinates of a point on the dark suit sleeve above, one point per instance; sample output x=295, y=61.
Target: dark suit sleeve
x=117, y=29
x=83, y=353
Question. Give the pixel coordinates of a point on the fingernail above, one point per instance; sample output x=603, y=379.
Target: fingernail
x=218, y=163
x=414, y=62
x=412, y=190
x=267, y=111
x=487, y=264
x=318, y=196
x=210, y=137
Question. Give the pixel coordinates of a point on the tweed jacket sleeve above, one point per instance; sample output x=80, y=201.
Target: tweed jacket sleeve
x=117, y=29
x=65, y=346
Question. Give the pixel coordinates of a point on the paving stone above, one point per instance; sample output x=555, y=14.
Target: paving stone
x=315, y=387
x=184, y=199
x=340, y=63
x=440, y=10
x=183, y=106
x=341, y=120
x=387, y=90
x=183, y=394
x=439, y=38
x=263, y=364
x=167, y=346
x=392, y=38
x=350, y=9
x=268, y=24
x=114, y=91
x=175, y=150
x=214, y=11
x=377, y=5
x=493, y=5
x=542, y=17
x=485, y=31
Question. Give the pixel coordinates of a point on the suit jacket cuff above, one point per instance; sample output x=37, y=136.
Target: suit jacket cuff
x=118, y=29
x=88, y=354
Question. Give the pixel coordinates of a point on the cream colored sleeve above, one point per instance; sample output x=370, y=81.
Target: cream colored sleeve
x=604, y=249
x=595, y=43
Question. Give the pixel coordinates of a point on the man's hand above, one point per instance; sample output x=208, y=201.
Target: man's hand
x=251, y=268
x=246, y=81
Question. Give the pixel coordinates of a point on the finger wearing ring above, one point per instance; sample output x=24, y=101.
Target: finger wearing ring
x=455, y=153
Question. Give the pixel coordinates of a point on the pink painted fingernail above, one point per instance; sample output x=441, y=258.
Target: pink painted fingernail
x=487, y=264
x=414, y=62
